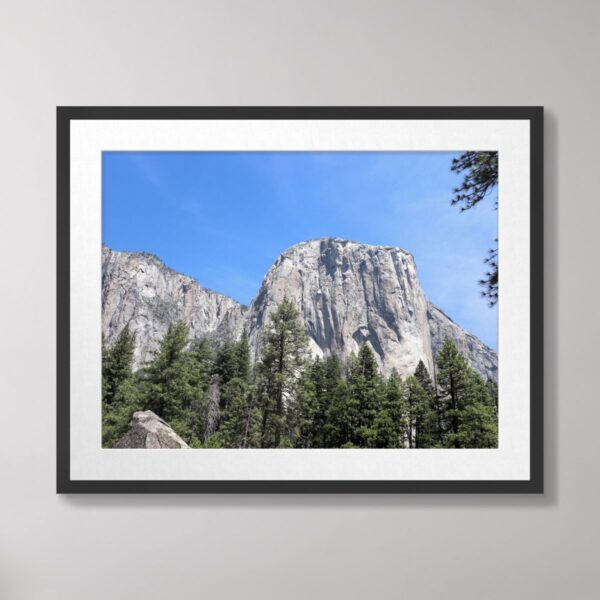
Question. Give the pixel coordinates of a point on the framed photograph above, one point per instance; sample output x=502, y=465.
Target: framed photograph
x=300, y=299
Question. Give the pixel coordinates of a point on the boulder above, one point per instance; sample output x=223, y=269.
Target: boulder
x=150, y=431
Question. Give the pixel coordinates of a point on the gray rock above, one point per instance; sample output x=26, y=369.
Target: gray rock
x=140, y=291
x=150, y=431
x=483, y=359
x=347, y=294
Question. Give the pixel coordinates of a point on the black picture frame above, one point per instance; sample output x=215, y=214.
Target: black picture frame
x=65, y=115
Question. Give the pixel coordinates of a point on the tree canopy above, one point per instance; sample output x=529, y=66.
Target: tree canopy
x=480, y=178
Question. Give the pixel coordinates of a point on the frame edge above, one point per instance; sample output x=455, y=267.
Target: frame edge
x=64, y=483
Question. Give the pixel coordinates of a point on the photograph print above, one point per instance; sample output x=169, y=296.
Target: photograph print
x=299, y=300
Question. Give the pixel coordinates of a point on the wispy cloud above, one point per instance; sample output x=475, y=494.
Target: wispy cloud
x=147, y=167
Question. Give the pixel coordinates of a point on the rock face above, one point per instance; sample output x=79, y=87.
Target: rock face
x=149, y=431
x=481, y=358
x=139, y=290
x=347, y=294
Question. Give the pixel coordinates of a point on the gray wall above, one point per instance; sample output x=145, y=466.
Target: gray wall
x=363, y=53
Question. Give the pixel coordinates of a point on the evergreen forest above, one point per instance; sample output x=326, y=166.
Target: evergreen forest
x=214, y=396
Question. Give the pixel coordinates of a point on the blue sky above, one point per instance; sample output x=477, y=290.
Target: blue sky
x=224, y=217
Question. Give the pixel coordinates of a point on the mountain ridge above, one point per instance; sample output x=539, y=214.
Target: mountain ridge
x=347, y=292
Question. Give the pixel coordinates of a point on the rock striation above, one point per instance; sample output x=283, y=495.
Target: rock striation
x=347, y=294
x=150, y=431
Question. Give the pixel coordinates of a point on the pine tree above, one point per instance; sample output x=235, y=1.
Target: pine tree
x=366, y=389
x=480, y=177
x=117, y=363
x=242, y=352
x=341, y=418
x=174, y=384
x=105, y=364
x=420, y=416
x=226, y=362
x=120, y=398
x=239, y=417
x=251, y=436
x=239, y=424
x=307, y=406
x=432, y=429
x=212, y=412
x=318, y=389
x=283, y=352
x=492, y=388
x=452, y=371
x=479, y=422
x=327, y=386
x=390, y=423
x=202, y=356
x=471, y=419
x=233, y=360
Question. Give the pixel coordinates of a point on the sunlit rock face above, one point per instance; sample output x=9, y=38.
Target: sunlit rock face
x=140, y=291
x=347, y=294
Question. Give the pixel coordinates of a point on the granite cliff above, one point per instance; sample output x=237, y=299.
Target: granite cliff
x=347, y=293
x=139, y=290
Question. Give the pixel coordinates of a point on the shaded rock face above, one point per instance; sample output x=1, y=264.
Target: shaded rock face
x=139, y=290
x=483, y=359
x=150, y=431
x=347, y=294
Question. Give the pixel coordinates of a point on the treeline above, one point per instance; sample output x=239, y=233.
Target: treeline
x=216, y=398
